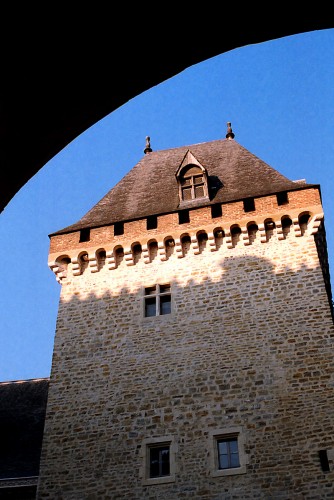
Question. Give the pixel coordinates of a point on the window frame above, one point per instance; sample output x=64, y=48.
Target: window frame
x=191, y=177
x=160, y=442
x=190, y=184
x=219, y=435
x=157, y=293
x=230, y=454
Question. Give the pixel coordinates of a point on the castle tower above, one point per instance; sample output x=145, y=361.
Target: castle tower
x=193, y=355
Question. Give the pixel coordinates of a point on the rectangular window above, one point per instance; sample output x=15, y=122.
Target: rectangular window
x=184, y=217
x=192, y=187
x=152, y=222
x=324, y=460
x=157, y=300
x=216, y=211
x=282, y=198
x=159, y=457
x=228, y=453
x=158, y=465
x=84, y=235
x=118, y=228
x=249, y=205
x=186, y=189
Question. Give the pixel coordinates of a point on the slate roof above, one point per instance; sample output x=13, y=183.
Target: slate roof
x=22, y=416
x=151, y=188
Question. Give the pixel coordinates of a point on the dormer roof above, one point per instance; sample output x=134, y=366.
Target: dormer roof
x=151, y=187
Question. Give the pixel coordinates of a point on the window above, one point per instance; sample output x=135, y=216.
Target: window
x=157, y=300
x=159, y=459
x=118, y=228
x=192, y=184
x=184, y=217
x=228, y=455
x=152, y=222
x=324, y=460
x=216, y=210
x=192, y=180
x=282, y=198
x=158, y=456
x=84, y=234
x=249, y=205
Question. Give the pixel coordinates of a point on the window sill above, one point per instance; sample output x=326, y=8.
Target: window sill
x=161, y=317
x=229, y=472
x=196, y=201
x=158, y=480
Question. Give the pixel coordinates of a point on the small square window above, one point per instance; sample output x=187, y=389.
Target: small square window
x=186, y=193
x=199, y=191
x=282, y=198
x=157, y=300
x=84, y=235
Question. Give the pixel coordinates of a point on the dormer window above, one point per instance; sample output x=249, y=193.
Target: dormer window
x=192, y=180
x=192, y=184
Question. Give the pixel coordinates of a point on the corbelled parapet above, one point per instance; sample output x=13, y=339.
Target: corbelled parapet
x=217, y=239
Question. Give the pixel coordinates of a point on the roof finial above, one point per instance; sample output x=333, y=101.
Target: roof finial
x=148, y=146
x=229, y=134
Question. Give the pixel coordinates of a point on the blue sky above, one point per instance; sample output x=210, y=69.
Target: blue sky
x=279, y=96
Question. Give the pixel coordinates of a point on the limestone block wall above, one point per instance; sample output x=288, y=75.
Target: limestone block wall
x=248, y=345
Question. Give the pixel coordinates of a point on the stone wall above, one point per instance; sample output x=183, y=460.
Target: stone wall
x=248, y=345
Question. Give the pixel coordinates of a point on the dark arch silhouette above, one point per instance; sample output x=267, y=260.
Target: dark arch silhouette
x=60, y=82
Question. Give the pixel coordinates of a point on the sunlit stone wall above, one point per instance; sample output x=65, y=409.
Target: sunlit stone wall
x=248, y=344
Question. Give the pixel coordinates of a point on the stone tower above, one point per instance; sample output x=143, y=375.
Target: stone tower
x=193, y=355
